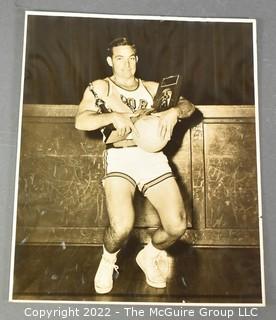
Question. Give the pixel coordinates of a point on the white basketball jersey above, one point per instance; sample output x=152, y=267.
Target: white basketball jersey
x=122, y=100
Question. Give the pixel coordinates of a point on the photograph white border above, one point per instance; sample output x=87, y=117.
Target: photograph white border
x=141, y=17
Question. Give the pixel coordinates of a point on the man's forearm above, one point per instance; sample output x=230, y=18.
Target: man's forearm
x=89, y=120
x=184, y=109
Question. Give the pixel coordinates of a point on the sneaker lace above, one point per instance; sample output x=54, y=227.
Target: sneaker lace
x=111, y=264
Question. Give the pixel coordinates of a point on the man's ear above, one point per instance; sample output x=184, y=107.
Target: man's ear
x=136, y=57
x=109, y=61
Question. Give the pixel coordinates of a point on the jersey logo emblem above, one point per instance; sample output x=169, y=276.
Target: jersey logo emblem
x=134, y=104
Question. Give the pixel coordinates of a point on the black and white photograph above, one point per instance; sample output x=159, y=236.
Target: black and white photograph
x=138, y=166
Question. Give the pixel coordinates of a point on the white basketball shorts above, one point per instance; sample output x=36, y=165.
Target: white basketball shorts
x=142, y=169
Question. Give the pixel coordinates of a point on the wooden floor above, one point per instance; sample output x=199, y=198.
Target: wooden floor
x=205, y=275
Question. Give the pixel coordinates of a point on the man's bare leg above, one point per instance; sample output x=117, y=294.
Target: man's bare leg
x=119, y=198
x=167, y=200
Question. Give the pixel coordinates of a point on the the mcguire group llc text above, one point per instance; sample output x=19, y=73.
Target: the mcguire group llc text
x=136, y=312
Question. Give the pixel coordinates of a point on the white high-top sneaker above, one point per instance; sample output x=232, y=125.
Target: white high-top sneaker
x=149, y=260
x=103, y=281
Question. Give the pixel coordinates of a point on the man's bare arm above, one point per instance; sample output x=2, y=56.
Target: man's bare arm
x=89, y=117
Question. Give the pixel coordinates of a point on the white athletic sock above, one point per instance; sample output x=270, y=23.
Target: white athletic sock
x=151, y=249
x=110, y=256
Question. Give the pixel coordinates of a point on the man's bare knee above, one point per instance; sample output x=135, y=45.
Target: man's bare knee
x=121, y=232
x=176, y=229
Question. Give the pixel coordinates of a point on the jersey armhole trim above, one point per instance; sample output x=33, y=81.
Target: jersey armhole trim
x=144, y=85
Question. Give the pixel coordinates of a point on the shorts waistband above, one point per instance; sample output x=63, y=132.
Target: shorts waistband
x=121, y=144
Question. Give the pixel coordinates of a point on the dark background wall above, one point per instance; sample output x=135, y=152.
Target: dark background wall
x=63, y=54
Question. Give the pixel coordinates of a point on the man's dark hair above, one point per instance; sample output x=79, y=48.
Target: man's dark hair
x=122, y=41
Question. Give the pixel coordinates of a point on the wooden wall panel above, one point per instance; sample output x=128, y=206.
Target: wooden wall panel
x=198, y=177
x=231, y=178
x=61, y=199
x=59, y=191
x=57, y=137
x=60, y=176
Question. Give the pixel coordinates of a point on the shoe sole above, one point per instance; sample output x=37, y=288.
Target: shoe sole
x=158, y=285
x=102, y=290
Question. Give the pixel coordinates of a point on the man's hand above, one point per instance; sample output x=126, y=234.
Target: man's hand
x=123, y=124
x=168, y=120
x=185, y=108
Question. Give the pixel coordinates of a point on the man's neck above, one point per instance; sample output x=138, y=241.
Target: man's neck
x=129, y=83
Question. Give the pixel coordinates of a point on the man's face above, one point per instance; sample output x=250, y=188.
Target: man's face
x=123, y=61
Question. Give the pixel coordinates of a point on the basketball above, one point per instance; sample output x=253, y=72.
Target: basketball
x=149, y=138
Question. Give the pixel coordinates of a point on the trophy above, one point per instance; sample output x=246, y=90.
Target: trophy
x=168, y=93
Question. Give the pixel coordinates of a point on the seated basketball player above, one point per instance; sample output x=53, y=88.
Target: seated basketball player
x=129, y=167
